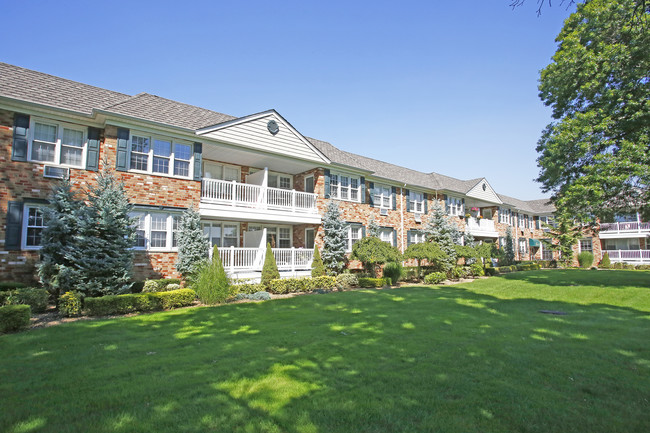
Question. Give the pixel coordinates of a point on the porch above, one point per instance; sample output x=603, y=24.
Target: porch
x=248, y=262
x=636, y=257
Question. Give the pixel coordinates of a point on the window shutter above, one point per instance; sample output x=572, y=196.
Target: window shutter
x=92, y=157
x=394, y=237
x=371, y=195
x=362, y=181
x=463, y=202
x=407, y=194
x=328, y=191
x=426, y=204
x=409, y=234
x=122, y=149
x=444, y=197
x=14, y=226
x=21, y=131
x=198, y=161
x=363, y=231
x=394, y=196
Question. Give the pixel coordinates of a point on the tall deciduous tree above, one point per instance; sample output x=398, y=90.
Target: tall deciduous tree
x=334, y=239
x=594, y=157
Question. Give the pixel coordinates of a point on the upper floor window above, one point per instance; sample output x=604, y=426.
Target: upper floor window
x=160, y=155
x=345, y=187
x=214, y=170
x=57, y=143
x=505, y=216
x=455, y=206
x=416, y=202
x=281, y=181
x=383, y=196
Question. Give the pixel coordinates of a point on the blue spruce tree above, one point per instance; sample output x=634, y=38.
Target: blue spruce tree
x=334, y=240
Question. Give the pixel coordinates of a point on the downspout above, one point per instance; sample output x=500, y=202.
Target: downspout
x=401, y=193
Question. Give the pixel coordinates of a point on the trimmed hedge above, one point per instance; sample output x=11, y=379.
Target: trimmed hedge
x=124, y=304
x=435, y=278
x=374, y=282
x=347, y=280
x=248, y=288
x=34, y=297
x=11, y=285
x=161, y=285
x=294, y=285
x=14, y=318
x=507, y=269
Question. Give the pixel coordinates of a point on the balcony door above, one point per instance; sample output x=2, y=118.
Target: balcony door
x=215, y=170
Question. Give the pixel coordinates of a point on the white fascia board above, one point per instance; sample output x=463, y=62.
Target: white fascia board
x=56, y=113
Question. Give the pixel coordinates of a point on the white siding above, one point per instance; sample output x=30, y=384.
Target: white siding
x=255, y=135
x=488, y=195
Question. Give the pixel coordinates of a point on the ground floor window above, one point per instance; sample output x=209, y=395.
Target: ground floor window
x=523, y=246
x=33, y=225
x=222, y=234
x=310, y=237
x=585, y=245
x=277, y=236
x=386, y=235
x=156, y=230
x=354, y=235
x=415, y=237
x=622, y=244
x=547, y=253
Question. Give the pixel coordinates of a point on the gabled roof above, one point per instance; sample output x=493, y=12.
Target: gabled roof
x=533, y=206
x=32, y=86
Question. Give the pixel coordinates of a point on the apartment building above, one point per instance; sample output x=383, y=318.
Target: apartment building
x=254, y=179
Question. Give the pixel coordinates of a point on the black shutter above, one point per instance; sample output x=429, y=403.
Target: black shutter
x=394, y=238
x=426, y=205
x=463, y=201
x=14, y=223
x=198, y=161
x=444, y=197
x=21, y=131
x=362, y=180
x=407, y=194
x=92, y=158
x=363, y=231
x=393, y=191
x=122, y=149
x=371, y=195
x=328, y=191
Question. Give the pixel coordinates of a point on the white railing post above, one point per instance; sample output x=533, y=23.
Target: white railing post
x=293, y=200
x=293, y=259
x=232, y=260
x=232, y=193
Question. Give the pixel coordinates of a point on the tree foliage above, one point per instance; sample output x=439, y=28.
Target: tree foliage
x=193, y=245
x=372, y=251
x=317, y=266
x=270, y=269
x=594, y=156
x=442, y=231
x=509, y=248
x=210, y=282
x=566, y=235
x=334, y=239
x=429, y=251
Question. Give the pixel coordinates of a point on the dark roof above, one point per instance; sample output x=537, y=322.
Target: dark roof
x=533, y=206
x=37, y=87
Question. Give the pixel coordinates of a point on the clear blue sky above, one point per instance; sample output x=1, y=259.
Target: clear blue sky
x=443, y=86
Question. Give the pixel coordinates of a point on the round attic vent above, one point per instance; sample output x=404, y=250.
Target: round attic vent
x=273, y=127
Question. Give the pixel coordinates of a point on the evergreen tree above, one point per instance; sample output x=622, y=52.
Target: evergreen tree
x=270, y=270
x=210, y=281
x=193, y=245
x=470, y=251
x=334, y=239
x=566, y=234
x=373, y=228
x=104, y=256
x=61, y=220
x=441, y=230
x=509, y=248
x=317, y=266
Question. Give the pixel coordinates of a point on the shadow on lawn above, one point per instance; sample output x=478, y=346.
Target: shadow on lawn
x=410, y=359
x=614, y=279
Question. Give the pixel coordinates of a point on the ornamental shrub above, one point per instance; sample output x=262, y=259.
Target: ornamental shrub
x=435, y=278
x=456, y=273
x=373, y=251
x=176, y=298
x=247, y=288
x=14, y=318
x=317, y=266
x=605, y=262
x=160, y=285
x=393, y=270
x=347, y=281
x=335, y=233
x=211, y=283
x=373, y=282
x=124, y=304
x=193, y=244
x=257, y=296
x=11, y=285
x=325, y=282
x=476, y=270
x=586, y=259
x=70, y=304
x=270, y=270
x=35, y=298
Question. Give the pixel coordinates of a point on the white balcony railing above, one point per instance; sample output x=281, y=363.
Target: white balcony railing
x=238, y=194
x=480, y=225
x=630, y=227
x=252, y=259
x=628, y=256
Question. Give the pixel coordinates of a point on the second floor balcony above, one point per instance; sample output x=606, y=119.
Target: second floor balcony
x=624, y=229
x=482, y=227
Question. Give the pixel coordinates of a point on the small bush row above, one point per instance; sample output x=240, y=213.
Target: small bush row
x=435, y=278
x=161, y=285
x=257, y=296
x=248, y=288
x=374, y=282
x=11, y=285
x=123, y=304
x=35, y=298
x=513, y=268
x=347, y=281
x=293, y=285
x=14, y=318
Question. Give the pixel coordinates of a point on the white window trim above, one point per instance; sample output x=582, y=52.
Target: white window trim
x=23, y=234
x=457, y=209
x=313, y=182
x=147, y=230
x=314, y=236
x=419, y=236
x=279, y=175
x=349, y=187
x=222, y=223
x=172, y=157
x=590, y=241
x=380, y=197
x=349, y=238
x=414, y=203
x=389, y=230
x=277, y=233
x=223, y=165
x=58, y=146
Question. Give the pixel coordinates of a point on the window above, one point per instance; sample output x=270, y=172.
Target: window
x=221, y=234
x=416, y=237
x=309, y=184
x=455, y=206
x=310, y=237
x=156, y=231
x=505, y=216
x=344, y=187
x=160, y=155
x=417, y=202
x=523, y=245
x=281, y=181
x=355, y=232
x=383, y=196
x=284, y=237
x=585, y=245
x=547, y=252
x=58, y=143
x=386, y=235
x=33, y=226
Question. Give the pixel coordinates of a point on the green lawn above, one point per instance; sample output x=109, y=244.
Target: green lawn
x=474, y=357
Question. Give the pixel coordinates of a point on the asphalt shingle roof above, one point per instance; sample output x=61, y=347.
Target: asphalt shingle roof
x=36, y=87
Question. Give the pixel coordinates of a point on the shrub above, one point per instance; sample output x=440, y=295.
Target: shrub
x=643, y=267
x=373, y=282
x=123, y=304
x=324, y=282
x=347, y=280
x=270, y=270
x=11, y=285
x=160, y=285
x=605, y=262
x=586, y=259
x=476, y=270
x=248, y=288
x=176, y=298
x=456, y=273
x=373, y=251
x=411, y=273
x=211, y=283
x=70, y=304
x=393, y=270
x=491, y=271
x=435, y=278
x=317, y=266
x=286, y=285
x=257, y=296
x=14, y=318
x=35, y=298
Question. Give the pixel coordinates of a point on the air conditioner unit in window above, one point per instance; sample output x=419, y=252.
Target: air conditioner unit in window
x=56, y=172
x=418, y=217
x=383, y=212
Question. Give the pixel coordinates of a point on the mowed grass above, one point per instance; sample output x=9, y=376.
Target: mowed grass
x=476, y=357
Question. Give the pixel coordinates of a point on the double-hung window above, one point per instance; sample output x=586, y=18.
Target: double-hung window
x=505, y=216
x=416, y=237
x=523, y=246
x=156, y=230
x=345, y=187
x=455, y=206
x=586, y=245
x=355, y=232
x=33, y=225
x=159, y=155
x=383, y=196
x=58, y=143
x=417, y=202
x=386, y=235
